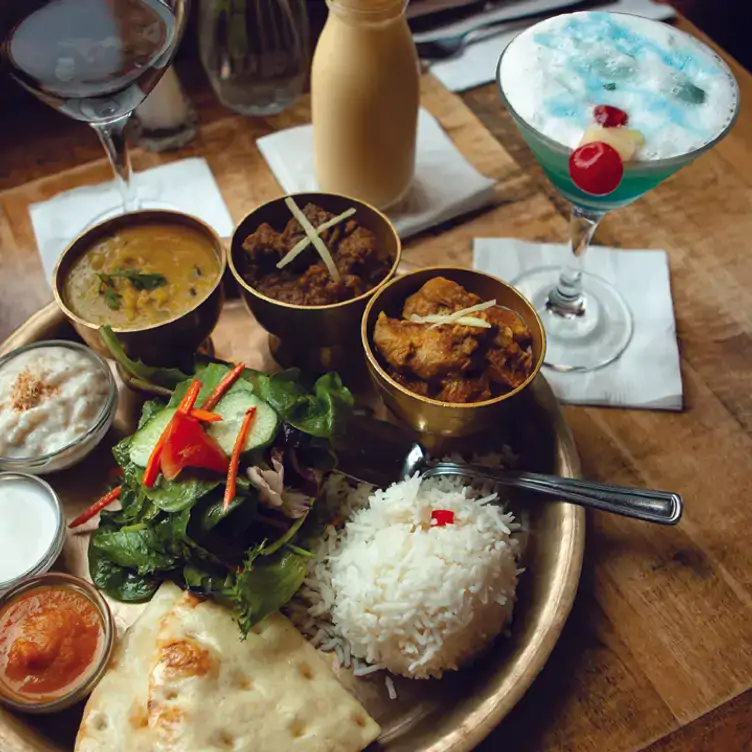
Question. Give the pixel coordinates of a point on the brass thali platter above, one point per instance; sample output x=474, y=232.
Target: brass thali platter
x=451, y=715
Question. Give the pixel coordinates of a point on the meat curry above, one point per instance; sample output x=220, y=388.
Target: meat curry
x=454, y=362
x=307, y=281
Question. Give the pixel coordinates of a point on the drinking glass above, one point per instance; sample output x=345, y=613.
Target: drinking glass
x=256, y=53
x=95, y=61
x=588, y=323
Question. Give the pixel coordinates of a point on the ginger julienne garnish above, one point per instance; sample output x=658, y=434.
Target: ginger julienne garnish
x=306, y=241
x=313, y=236
x=463, y=317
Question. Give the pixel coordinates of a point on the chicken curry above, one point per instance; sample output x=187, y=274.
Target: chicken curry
x=142, y=275
x=356, y=262
x=471, y=358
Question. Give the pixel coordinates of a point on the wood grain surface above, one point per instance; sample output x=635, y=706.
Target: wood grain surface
x=657, y=655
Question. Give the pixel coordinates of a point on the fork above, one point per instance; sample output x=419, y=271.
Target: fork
x=443, y=48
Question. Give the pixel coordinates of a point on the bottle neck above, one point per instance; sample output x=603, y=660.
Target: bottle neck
x=368, y=12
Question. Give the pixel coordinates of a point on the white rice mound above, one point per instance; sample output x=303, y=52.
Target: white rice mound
x=393, y=591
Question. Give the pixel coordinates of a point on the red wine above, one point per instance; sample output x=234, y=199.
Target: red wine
x=94, y=60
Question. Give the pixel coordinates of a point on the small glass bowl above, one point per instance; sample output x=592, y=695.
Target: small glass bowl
x=72, y=453
x=88, y=680
x=56, y=544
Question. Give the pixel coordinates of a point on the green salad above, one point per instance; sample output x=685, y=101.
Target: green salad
x=218, y=499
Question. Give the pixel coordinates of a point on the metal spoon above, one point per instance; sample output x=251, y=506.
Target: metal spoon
x=651, y=506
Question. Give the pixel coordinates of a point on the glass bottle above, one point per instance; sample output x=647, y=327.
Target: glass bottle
x=365, y=89
x=255, y=52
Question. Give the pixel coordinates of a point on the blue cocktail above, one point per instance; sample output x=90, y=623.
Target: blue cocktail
x=611, y=105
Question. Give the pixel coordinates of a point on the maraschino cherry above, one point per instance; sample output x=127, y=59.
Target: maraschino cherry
x=596, y=168
x=610, y=117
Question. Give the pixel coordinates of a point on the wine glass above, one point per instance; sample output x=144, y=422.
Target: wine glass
x=588, y=63
x=95, y=61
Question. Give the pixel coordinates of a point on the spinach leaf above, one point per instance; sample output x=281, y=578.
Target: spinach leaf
x=167, y=378
x=147, y=549
x=264, y=585
x=119, y=583
x=323, y=413
x=122, y=452
x=237, y=521
x=209, y=374
x=206, y=581
x=176, y=495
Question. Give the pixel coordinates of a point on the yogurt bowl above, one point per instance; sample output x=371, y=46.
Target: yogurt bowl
x=57, y=401
x=33, y=529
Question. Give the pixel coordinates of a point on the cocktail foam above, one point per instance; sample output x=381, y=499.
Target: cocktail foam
x=676, y=91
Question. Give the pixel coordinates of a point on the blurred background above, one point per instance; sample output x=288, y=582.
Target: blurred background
x=727, y=22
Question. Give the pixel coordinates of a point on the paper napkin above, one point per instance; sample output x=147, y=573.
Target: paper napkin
x=647, y=375
x=446, y=185
x=186, y=185
x=477, y=63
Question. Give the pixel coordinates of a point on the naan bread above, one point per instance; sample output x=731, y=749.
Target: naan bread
x=115, y=718
x=209, y=691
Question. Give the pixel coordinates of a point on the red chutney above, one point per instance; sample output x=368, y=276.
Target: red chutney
x=49, y=637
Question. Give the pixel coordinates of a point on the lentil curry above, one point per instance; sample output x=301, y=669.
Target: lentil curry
x=141, y=275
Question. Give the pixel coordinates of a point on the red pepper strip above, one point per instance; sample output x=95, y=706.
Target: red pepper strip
x=152, y=466
x=98, y=506
x=154, y=463
x=442, y=517
x=204, y=415
x=219, y=390
x=189, y=400
x=188, y=445
x=237, y=450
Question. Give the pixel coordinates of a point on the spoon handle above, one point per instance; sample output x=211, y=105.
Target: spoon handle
x=661, y=507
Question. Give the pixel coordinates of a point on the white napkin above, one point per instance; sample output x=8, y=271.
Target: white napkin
x=477, y=63
x=186, y=185
x=647, y=375
x=446, y=185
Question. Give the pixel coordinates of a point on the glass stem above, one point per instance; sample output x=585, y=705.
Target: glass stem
x=112, y=136
x=566, y=299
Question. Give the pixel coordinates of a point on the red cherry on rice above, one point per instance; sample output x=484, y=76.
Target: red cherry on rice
x=610, y=117
x=596, y=168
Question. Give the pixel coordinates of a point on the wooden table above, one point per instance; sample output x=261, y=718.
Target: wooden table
x=658, y=652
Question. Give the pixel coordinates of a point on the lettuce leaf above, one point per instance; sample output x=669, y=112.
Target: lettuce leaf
x=264, y=585
x=166, y=378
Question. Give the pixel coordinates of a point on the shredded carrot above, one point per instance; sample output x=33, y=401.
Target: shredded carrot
x=97, y=507
x=219, y=390
x=237, y=450
x=204, y=415
x=154, y=463
x=189, y=400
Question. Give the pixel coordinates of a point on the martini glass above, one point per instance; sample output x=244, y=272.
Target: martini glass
x=95, y=61
x=588, y=323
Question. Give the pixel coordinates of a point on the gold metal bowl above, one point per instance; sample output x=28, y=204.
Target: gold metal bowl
x=165, y=343
x=318, y=337
x=430, y=416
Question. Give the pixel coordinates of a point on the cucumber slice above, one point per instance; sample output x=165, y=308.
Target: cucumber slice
x=232, y=408
x=146, y=438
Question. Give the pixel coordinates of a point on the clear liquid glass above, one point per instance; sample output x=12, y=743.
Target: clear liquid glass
x=256, y=53
x=96, y=61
